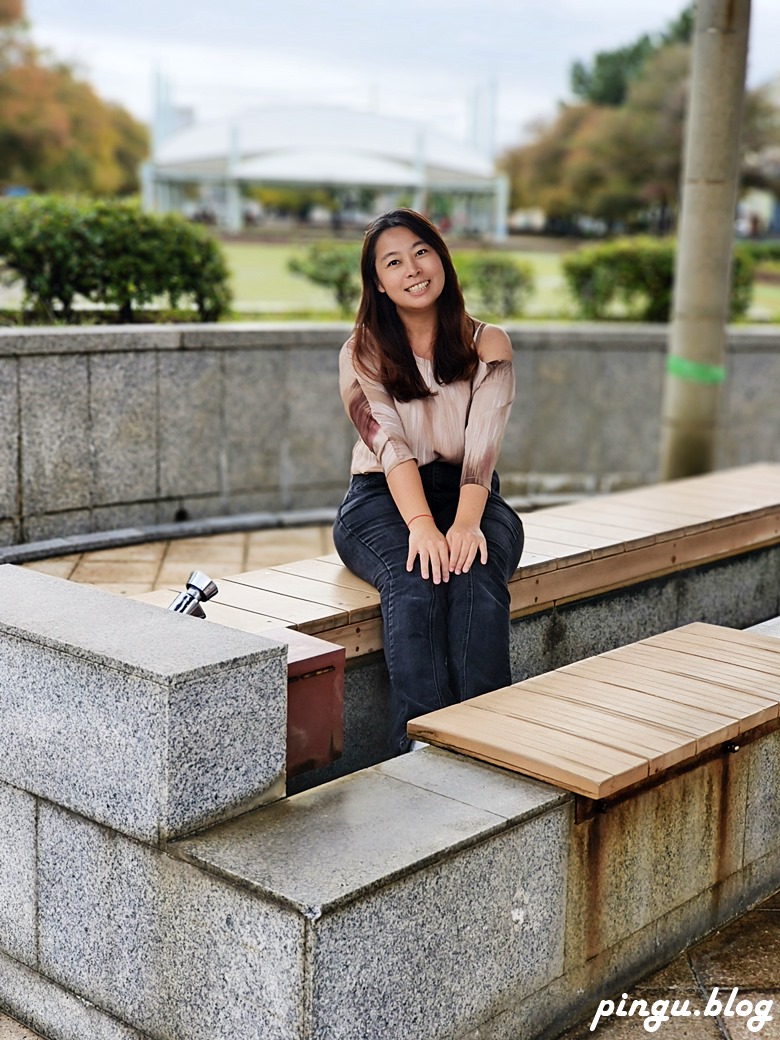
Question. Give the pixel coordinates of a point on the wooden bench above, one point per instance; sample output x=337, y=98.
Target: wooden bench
x=571, y=552
x=612, y=723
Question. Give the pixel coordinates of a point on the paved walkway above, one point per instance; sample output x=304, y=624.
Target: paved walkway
x=133, y=569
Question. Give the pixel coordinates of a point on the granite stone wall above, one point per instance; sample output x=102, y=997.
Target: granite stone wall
x=105, y=428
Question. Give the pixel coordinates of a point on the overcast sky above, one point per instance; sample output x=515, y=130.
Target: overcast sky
x=423, y=60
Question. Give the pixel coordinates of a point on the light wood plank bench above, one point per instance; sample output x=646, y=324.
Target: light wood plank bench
x=610, y=723
x=571, y=552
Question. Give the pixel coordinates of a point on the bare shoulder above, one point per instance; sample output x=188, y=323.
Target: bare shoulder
x=494, y=345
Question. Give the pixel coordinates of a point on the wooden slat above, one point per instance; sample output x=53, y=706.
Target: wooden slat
x=320, y=570
x=314, y=616
x=358, y=604
x=573, y=762
x=599, y=725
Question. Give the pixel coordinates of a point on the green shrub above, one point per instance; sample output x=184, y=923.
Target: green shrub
x=638, y=273
x=502, y=283
x=111, y=253
x=335, y=266
x=761, y=252
x=43, y=243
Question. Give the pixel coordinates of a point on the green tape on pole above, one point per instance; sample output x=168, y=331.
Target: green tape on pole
x=694, y=371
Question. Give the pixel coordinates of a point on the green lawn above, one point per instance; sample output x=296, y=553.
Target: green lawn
x=263, y=286
x=262, y=283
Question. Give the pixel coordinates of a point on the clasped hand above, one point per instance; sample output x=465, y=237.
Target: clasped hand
x=440, y=555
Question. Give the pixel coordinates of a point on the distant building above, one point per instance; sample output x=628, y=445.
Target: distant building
x=310, y=147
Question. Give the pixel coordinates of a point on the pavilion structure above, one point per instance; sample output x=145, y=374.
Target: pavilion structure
x=305, y=147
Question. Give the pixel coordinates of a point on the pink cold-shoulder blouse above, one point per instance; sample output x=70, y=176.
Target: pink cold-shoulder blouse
x=462, y=423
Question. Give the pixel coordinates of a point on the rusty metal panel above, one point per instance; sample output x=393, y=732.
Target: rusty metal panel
x=315, y=701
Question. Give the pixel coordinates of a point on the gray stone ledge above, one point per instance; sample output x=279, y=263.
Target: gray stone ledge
x=430, y=804
x=89, y=542
x=136, y=638
x=530, y=335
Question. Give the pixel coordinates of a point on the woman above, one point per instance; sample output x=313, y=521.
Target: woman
x=429, y=391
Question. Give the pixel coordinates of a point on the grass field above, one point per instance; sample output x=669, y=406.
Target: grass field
x=264, y=287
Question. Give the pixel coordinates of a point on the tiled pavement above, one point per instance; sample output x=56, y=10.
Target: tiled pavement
x=745, y=955
x=133, y=569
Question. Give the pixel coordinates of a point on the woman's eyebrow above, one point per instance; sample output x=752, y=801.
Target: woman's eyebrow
x=395, y=252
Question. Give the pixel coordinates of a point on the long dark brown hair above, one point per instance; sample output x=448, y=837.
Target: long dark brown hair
x=381, y=346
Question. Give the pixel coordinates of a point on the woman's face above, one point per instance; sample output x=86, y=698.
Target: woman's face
x=408, y=269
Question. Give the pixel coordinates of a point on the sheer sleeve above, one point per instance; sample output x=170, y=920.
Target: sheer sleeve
x=373, y=413
x=491, y=400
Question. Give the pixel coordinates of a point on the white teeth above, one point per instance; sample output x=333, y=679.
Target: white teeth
x=419, y=287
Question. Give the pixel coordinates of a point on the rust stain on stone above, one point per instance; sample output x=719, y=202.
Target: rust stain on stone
x=722, y=865
x=594, y=875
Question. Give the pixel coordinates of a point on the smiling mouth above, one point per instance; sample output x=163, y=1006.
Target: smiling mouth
x=418, y=288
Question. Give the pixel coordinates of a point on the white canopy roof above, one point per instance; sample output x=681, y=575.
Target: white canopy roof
x=324, y=146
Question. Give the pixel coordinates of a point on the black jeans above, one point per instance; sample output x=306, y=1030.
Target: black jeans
x=443, y=643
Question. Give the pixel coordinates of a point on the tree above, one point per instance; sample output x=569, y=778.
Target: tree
x=607, y=80
x=697, y=337
x=623, y=163
x=56, y=134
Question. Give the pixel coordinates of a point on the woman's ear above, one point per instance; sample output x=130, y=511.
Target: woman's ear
x=380, y=288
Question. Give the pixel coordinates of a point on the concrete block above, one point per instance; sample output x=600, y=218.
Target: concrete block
x=635, y=378
x=54, y=1012
x=420, y=921
x=169, y=949
x=570, y=399
x=762, y=822
x=116, y=518
x=736, y=593
x=9, y=532
x=255, y=416
x=748, y=392
x=56, y=457
x=448, y=943
x=520, y=436
x=9, y=438
x=654, y=852
x=42, y=527
x=123, y=410
x=145, y=720
x=319, y=437
x=17, y=873
x=602, y=623
x=530, y=646
x=191, y=394
x=201, y=507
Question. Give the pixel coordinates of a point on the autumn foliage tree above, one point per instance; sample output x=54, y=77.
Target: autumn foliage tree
x=616, y=154
x=56, y=134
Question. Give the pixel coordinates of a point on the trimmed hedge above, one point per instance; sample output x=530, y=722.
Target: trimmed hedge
x=335, y=266
x=111, y=254
x=639, y=274
x=503, y=284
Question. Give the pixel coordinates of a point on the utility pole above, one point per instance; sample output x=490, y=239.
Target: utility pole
x=695, y=367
